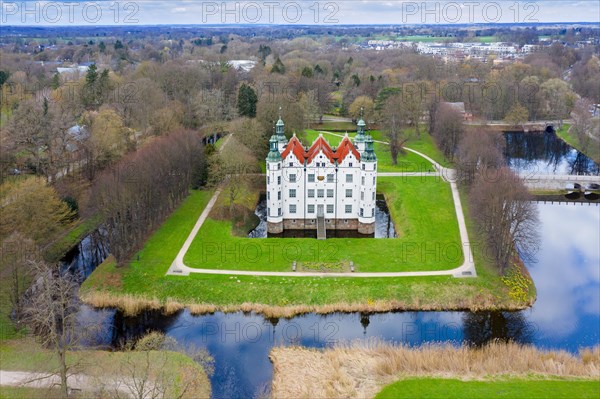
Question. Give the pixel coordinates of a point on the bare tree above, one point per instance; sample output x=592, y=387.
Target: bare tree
x=146, y=371
x=478, y=152
x=448, y=129
x=505, y=216
x=50, y=313
x=394, y=119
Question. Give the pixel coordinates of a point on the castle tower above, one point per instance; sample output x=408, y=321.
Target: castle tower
x=280, y=132
x=359, y=139
x=368, y=188
x=274, y=187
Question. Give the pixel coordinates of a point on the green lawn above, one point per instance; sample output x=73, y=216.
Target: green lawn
x=591, y=149
x=422, y=208
x=407, y=162
x=511, y=388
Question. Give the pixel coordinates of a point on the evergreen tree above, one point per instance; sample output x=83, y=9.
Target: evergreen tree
x=247, y=100
x=278, y=67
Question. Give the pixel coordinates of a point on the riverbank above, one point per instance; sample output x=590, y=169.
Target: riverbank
x=104, y=371
x=143, y=285
x=591, y=148
x=361, y=370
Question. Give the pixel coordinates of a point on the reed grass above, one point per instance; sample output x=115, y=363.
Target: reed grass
x=356, y=370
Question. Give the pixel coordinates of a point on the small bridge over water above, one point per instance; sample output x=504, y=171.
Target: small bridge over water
x=556, y=182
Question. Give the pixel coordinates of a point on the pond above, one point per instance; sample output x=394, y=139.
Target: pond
x=565, y=316
x=384, y=225
x=546, y=154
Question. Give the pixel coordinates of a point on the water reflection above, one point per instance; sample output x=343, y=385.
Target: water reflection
x=545, y=153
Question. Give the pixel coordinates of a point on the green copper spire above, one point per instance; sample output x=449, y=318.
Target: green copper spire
x=279, y=129
x=274, y=155
x=369, y=154
x=360, y=136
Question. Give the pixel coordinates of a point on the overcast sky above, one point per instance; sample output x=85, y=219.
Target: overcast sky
x=150, y=12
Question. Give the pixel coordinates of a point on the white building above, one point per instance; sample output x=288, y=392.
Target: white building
x=321, y=187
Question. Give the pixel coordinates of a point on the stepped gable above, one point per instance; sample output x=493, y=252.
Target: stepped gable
x=320, y=145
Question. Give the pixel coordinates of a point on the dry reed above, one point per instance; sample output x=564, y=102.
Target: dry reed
x=361, y=370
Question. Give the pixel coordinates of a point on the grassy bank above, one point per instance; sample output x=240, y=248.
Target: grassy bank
x=362, y=370
x=509, y=388
x=591, y=148
x=27, y=355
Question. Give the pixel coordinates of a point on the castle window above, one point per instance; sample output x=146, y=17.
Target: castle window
x=310, y=208
x=373, y=180
x=349, y=178
x=348, y=209
x=363, y=181
x=330, y=193
x=278, y=179
x=348, y=193
x=311, y=178
x=320, y=193
x=350, y=164
x=363, y=167
x=278, y=166
x=291, y=164
x=292, y=177
x=362, y=195
x=329, y=208
x=311, y=193
x=268, y=179
x=361, y=212
x=292, y=208
x=373, y=195
x=330, y=178
x=278, y=195
x=268, y=195
x=292, y=193
x=278, y=211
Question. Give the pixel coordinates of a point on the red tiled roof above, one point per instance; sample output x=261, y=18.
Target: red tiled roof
x=320, y=145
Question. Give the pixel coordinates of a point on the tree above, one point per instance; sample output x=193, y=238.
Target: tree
x=310, y=105
x=278, y=67
x=33, y=208
x=144, y=372
x=478, y=153
x=517, y=115
x=506, y=217
x=362, y=106
x=51, y=315
x=583, y=123
x=448, y=129
x=559, y=98
x=393, y=122
x=247, y=100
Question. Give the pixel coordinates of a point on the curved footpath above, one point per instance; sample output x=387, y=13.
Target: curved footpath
x=467, y=269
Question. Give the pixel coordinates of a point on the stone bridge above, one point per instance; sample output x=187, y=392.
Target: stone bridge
x=556, y=182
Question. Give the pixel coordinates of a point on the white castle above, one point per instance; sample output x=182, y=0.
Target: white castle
x=321, y=187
